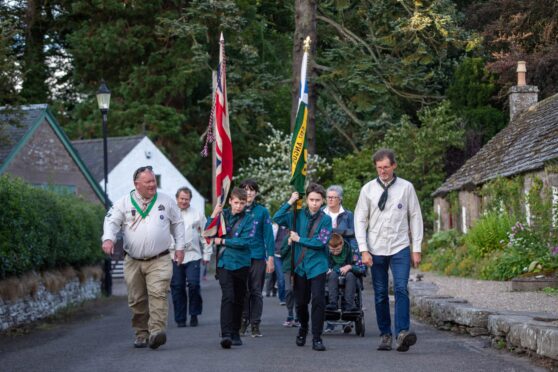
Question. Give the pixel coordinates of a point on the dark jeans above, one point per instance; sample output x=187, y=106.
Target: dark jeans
x=289, y=296
x=233, y=291
x=186, y=275
x=253, y=303
x=350, y=287
x=304, y=290
x=400, y=264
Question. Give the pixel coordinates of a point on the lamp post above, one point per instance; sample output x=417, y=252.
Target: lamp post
x=103, y=100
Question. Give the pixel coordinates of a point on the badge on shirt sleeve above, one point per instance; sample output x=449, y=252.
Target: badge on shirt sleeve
x=162, y=217
x=133, y=212
x=399, y=205
x=161, y=207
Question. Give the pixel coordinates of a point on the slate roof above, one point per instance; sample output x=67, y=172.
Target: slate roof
x=528, y=141
x=91, y=152
x=25, y=117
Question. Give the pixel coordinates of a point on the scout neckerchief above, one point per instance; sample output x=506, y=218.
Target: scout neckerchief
x=383, y=198
x=312, y=226
x=141, y=212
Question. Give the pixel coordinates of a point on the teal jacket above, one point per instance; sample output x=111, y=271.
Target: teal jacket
x=236, y=251
x=315, y=261
x=263, y=243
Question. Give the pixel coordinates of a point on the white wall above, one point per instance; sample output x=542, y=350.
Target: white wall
x=120, y=178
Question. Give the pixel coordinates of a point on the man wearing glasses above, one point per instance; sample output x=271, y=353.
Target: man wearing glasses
x=148, y=219
x=387, y=213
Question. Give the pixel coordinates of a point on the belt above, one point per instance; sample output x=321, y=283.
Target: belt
x=149, y=258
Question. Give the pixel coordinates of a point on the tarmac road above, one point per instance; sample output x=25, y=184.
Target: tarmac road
x=99, y=337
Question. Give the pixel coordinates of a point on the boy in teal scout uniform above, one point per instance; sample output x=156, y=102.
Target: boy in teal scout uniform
x=313, y=230
x=233, y=264
x=262, y=246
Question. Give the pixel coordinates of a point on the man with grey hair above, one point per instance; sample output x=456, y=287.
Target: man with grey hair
x=186, y=274
x=387, y=213
x=148, y=219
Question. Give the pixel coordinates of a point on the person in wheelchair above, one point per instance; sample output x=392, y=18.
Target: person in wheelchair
x=344, y=262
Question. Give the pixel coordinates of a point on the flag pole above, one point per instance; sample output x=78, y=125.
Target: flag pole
x=298, y=145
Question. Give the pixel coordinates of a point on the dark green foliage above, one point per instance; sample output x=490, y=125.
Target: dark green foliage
x=445, y=239
x=41, y=230
x=489, y=234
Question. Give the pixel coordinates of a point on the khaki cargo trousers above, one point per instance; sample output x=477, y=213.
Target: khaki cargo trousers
x=148, y=284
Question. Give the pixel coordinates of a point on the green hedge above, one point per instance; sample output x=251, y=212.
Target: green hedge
x=41, y=230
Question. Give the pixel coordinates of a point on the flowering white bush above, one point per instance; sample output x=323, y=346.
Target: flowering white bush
x=273, y=171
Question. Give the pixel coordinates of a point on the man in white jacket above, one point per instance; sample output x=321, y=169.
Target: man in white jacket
x=387, y=213
x=187, y=275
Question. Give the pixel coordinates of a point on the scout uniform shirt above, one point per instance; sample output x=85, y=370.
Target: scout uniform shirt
x=316, y=251
x=148, y=235
x=384, y=233
x=235, y=254
x=263, y=244
x=194, y=224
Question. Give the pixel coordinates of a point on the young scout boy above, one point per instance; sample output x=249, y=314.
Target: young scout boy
x=233, y=265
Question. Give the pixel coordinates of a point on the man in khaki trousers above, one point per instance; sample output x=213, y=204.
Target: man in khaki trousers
x=148, y=219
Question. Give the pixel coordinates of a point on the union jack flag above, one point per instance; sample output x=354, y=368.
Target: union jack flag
x=223, y=145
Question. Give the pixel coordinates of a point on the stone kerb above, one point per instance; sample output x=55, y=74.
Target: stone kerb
x=520, y=332
x=46, y=303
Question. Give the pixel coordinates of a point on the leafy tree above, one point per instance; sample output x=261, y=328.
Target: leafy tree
x=471, y=95
x=519, y=30
x=158, y=57
x=420, y=154
x=382, y=59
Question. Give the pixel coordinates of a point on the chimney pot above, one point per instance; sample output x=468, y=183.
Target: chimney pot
x=521, y=70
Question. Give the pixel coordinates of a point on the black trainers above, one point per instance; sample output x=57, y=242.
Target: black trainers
x=157, y=339
x=194, y=321
x=243, y=327
x=236, y=341
x=405, y=339
x=140, y=342
x=181, y=324
x=385, y=343
x=301, y=337
x=318, y=345
x=226, y=342
x=256, y=330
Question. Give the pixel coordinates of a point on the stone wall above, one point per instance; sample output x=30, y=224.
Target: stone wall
x=45, y=303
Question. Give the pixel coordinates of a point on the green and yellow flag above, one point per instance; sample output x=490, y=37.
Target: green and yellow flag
x=299, y=153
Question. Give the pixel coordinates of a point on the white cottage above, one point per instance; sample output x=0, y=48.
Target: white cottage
x=126, y=154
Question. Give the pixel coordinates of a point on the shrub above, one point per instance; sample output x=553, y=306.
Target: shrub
x=449, y=238
x=489, y=234
x=40, y=229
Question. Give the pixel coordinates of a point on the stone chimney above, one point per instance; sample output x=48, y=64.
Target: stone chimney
x=522, y=96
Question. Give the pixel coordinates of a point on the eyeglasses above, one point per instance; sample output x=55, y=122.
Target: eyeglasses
x=141, y=170
x=332, y=197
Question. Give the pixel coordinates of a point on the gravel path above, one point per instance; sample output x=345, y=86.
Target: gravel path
x=493, y=295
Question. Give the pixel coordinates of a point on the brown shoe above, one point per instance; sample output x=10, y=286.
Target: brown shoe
x=405, y=340
x=157, y=339
x=140, y=342
x=385, y=343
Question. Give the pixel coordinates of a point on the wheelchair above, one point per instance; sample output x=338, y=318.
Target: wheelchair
x=349, y=320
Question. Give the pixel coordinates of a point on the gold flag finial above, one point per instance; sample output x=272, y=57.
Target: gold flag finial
x=307, y=43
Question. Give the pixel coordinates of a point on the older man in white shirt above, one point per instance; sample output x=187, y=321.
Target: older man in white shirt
x=387, y=213
x=149, y=221
x=187, y=274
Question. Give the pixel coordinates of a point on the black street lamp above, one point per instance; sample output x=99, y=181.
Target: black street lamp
x=103, y=100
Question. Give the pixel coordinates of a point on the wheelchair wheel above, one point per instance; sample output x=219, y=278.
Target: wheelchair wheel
x=359, y=327
x=347, y=329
